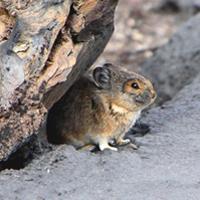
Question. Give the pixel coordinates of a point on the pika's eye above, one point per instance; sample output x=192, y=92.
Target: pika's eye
x=135, y=85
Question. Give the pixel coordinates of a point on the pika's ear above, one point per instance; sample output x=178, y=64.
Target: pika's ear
x=102, y=77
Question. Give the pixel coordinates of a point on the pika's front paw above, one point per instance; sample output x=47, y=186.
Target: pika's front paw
x=122, y=142
x=128, y=142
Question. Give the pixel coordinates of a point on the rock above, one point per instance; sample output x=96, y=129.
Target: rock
x=191, y=6
x=45, y=46
x=177, y=63
x=166, y=166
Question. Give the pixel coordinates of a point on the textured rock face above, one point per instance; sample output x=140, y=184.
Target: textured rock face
x=177, y=63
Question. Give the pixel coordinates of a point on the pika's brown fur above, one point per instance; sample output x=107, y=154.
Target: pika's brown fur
x=100, y=108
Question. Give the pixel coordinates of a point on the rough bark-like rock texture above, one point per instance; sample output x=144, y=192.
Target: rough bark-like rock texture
x=177, y=63
x=44, y=47
x=165, y=167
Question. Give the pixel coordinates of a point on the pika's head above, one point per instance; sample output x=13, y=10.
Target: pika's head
x=124, y=88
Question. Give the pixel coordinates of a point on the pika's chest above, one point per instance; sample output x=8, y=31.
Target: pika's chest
x=123, y=119
x=128, y=120
x=134, y=118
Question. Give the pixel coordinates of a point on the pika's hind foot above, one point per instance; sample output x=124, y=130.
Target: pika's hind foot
x=104, y=145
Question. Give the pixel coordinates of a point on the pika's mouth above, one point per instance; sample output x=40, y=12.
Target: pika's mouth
x=146, y=98
x=140, y=100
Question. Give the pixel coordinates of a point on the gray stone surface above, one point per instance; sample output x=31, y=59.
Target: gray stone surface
x=185, y=5
x=189, y=3
x=178, y=62
x=165, y=167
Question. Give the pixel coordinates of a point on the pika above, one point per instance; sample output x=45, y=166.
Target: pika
x=100, y=108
